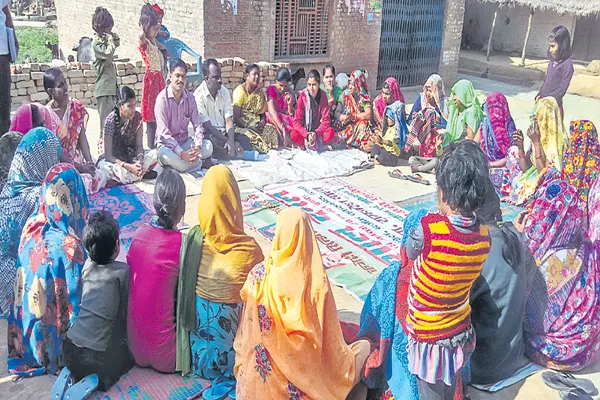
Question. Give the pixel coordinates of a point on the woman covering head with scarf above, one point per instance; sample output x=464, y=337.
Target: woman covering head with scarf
x=289, y=343
x=428, y=116
x=311, y=128
x=495, y=135
x=465, y=113
x=228, y=255
x=562, y=324
x=387, y=152
x=581, y=165
x=8, y=145
x=29, y=116
x=357, y=116
x=390, y=92
x=37, y=152
x=549, y=140
x=47, y=286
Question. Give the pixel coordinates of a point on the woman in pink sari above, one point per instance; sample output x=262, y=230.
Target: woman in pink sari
x=280, y=102
x=68, y=119
x=390, y=93
x=29, y=116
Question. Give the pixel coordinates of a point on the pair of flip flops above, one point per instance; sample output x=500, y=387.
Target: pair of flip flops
x=220, y=389
x=570, y=387
x=416, y=178
x=65, y=389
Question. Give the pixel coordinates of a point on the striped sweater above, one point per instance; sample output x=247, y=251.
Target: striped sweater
x=438, y=298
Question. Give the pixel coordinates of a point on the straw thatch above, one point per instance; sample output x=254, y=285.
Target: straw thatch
x=573, y=7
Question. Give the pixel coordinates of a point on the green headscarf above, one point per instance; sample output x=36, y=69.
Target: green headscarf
x=470, y=113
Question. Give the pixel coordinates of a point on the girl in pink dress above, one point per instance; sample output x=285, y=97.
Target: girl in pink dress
x=281, y=102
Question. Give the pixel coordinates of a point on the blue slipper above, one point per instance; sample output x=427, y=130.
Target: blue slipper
x=220, y=389
x=82, y=389
x=61, y=384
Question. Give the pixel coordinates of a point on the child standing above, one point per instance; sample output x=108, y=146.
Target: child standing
x=96, y=343
x=104, y=44
x=163, y=36
x=448, y=249
x=154, y=80
x=560, y=67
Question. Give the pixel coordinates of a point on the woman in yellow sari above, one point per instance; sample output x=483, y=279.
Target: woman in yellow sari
x=289, y=343
x=228, y=255
x=549, y=140
x=249, y=112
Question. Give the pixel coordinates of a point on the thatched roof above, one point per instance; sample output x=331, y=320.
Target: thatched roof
x=574, y=7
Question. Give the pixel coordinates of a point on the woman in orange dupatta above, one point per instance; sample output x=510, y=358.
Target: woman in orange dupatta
x=289, y=344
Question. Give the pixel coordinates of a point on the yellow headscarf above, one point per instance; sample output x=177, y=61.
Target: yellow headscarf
x=289, y=339
x=228, y=254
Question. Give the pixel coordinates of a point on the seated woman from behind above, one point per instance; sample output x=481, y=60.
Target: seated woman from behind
x=68, y=120
x=498, y=298
x=228, y=255
x=464, y=113
x=494, y=136
x=312, y=122
x=387, y=152
x=289, y=343
x=97, y=341
x=281, y=104
x=356, y=120
x=124, y=159
x=37, y=152
x=47, y=284
x=427, y=119
x=154, y=260
x=249, y=108
x=548, y=144
x=562, y=325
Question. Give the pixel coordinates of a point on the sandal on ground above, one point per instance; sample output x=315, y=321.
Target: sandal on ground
x=82, y=389
x=575, y=394
x=220, y=389
x=565, y=382
x=150, y=175
x=365, y=165
x=416, y=178
x=61, y=384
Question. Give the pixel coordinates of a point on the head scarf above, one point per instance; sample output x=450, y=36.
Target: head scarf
x=23, y=120
x=397, y=95
x=395, y=111
x=228, y=253
x=581, y=164
x=556, y=218
x=8, y=145
x=341, y=80
x=593, y=212
x=497, y=127
x=553, y=140
x=158, y=10
x=435, y=83
x=469, y=113
x=48, y=277
x=37, y=152
x=359, y=80
x=289, y=331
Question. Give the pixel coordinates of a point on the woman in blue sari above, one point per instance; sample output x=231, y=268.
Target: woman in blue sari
x=38, y=151
x=47, y=286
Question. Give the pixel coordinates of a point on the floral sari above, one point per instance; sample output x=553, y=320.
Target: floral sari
x=286, y=119
x=47, y=286
x=358, y=132
x=68, y=130
x=254, y=107
x=581, y=165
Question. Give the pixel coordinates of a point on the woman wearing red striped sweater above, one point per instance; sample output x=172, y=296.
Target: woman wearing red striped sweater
x=448, y=249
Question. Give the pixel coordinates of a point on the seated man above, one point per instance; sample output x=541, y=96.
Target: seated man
x=175, y=109
x=214, y=101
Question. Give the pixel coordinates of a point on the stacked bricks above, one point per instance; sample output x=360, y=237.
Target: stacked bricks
x=28, y=80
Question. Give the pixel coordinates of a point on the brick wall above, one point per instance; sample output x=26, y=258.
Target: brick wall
x=28, y=80
x=511, y=28
x=453, y=27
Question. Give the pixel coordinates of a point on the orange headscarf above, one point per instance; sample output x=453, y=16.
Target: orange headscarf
x=228, y=254
x=289, y=340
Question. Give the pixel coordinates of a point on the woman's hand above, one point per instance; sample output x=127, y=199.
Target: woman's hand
x=135, y=169
x=534, y=131
x=518, y=141
x=288, y=99
x=521, y=221
x=311, y=138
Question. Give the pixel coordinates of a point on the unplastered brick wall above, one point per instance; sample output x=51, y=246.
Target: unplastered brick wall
x=28, y=80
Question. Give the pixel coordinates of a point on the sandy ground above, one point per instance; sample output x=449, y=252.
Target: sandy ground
x=376, y=181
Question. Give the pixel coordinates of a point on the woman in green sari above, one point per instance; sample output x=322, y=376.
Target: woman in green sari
x=465, y=113
x=335, y=95
x=249, y=108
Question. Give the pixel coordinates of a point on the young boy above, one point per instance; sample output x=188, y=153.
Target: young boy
x=448, y=249
x=96, y=343
x=104, y=44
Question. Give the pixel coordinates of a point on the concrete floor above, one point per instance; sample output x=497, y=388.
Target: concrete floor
x=375, y=180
